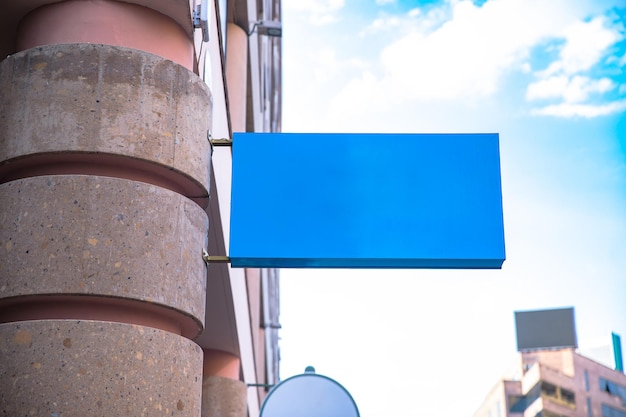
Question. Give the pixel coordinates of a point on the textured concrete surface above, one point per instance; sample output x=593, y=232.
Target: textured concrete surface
x=91, y=368
x=99, y=236
x=63, y=102
x=223, y=397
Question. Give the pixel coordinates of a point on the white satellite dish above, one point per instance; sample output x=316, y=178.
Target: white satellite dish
x=309, y=395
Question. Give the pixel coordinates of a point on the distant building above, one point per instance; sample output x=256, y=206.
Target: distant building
x=558, y=382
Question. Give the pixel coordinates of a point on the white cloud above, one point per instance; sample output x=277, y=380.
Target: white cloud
x=383, y=2
x=581, y=110
x=329, y=66
x=468, y=54
x=581, y=87
x=572, y=90
x=619, y=61
x=547, y=88
x=585, y=45
x=414, y=12
x=412, y=21
x=463, y=57
x=383, y=23
x=321, y=12
x=462, y=52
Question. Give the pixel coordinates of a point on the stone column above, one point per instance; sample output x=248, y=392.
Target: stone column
x=104, y=174
x=223, y=394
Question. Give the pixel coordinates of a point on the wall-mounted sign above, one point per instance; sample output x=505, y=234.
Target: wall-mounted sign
x=366, y=201
x=309, y=395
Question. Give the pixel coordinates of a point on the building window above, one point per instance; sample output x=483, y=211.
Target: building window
x=544, y=390
x=608, y=411
x=517, y=404
x=558, y=394
x=586, y=380
x=549, y=390
x=568, y=396
x=589, y=410
x=613, y=388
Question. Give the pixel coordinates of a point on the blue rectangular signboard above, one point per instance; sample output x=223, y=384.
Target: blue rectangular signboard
x=366, y=201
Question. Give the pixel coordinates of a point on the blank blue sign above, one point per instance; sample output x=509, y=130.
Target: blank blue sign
x=366, y=201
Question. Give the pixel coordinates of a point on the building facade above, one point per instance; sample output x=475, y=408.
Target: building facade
x=113, y=191
x=557, y=383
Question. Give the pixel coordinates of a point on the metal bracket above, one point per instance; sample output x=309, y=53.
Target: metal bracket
x=271, y=28
x=218, y=141
x=201, y=19
x=221, y=142
x=208, y=259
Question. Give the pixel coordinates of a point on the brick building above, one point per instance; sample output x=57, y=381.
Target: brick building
x=556, y=381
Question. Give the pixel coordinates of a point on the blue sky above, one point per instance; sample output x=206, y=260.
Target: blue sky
x=549, y=78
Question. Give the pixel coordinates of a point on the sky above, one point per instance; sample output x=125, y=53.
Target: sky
x=549, y=77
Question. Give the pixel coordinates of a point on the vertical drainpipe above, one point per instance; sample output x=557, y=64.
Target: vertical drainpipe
x=104, y=172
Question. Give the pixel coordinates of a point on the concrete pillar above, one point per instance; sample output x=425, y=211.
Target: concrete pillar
x=237, y=75
x=104, y=178
x=223, y=395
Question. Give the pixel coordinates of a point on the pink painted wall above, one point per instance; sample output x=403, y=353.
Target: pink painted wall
x=106, y=22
